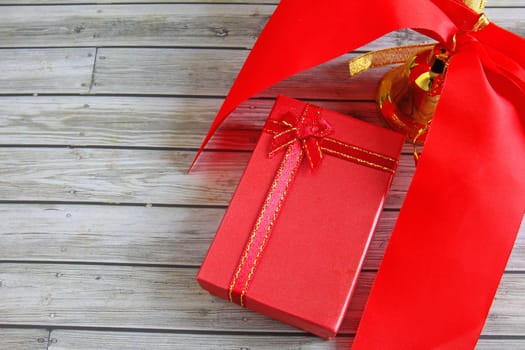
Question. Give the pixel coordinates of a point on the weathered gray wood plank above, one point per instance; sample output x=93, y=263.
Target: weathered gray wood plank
x=508, y=308
x=118, y=176
x=169, y=298
x=96, y=340
x=166, y=71
x=123, y=121
x=135, y=176
x=140, y=235
x=117, y=296
x=24, y=339
x=500, y=343
x=510, y=19
x=166, y=25
x=136, y=121
x=28, y=71
x=102, y=234
x=133, y=25
x=207, y=72
x=490, y=3
x=79, y=2
x=158, y=71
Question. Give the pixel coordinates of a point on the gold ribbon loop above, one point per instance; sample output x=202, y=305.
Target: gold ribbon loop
x=385, y=57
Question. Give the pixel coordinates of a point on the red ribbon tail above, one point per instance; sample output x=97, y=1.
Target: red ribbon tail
x=313, y=152
x=459, y=221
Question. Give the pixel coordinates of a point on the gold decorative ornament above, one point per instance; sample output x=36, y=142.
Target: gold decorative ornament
x=408, y=95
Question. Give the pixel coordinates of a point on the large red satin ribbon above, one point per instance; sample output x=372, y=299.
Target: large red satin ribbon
x=459, y=220
x=458, y=224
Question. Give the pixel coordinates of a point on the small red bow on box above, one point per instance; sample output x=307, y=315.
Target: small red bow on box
x=312, y=131
x=309, y=128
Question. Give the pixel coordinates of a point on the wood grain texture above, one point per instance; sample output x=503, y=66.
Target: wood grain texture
x=93, y=340
x=64, y=70
x=166, y=71
x=203, y=25
x=141, y=235
x=118, y=176
x=24, y=339
x=501, y=343
x=123, y=121
x=80, y=2
x=96, y=340
x=136, y=176
x=169, y=72
x=144, y=122
x=118, y=296
x=120, y=234
x=490, y=3
x=169, y=25
x=169, y=299
x=207, y=72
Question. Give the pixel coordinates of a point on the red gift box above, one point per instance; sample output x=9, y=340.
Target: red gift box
x=294, y=237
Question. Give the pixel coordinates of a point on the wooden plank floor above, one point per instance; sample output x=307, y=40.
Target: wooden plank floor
x=102, y=106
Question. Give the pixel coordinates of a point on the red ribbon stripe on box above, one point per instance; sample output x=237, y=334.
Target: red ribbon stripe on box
x=299, y=135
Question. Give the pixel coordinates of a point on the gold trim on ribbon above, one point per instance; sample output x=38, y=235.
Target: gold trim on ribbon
x=360, y=149
x=358, y=160
x=284, y=145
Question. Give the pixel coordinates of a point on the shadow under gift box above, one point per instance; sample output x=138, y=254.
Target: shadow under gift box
x=308, y=269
